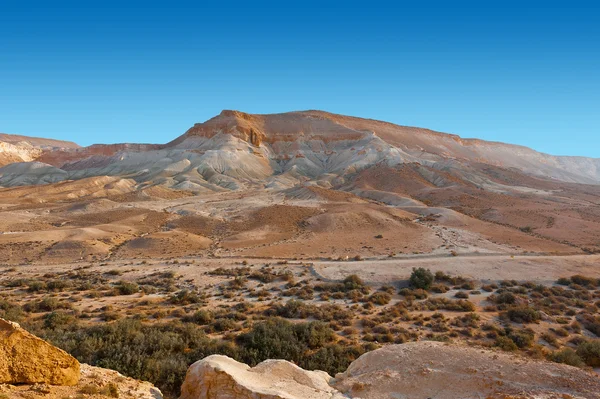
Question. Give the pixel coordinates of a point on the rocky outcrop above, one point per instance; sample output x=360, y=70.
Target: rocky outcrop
x=32, y=368
x=415, y=370
x=443, y=371
x=219, y=377
x=26, y=359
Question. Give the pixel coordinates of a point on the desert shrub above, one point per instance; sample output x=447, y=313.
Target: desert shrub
x=334, y=358
x=522, y=338
x=460, y=305
x=185, y=297
x=36, y=286
x=233, y=272
x=584, y=281
x=523, y=315
x=47, y=304
x=441, y=276
x=111, y=390
x=353, y=282
x=223, y=324
x=89, y=389
x=563, y=281
x=439, y=288
x=506, y=297
x=281, y=339
x=380, y=298
x=506, y=344
x=489, y=287
x=387, y=288
x=57, y=285
x=589, y=352
x=421, y=278
x=10, y=311
x=551, y=339
x=462, y=295
x=200, y=317
x=566, y=356
x=57, y=319
x=468, y=320
x=160, y=353
x=591, y=323
x=127, y=288
x=416, y=293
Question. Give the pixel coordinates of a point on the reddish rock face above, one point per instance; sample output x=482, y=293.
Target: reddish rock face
x=59, y=157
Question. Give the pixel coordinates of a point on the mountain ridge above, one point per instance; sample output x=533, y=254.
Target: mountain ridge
x=313, y=144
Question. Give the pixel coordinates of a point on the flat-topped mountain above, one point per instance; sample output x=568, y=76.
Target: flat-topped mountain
x=235, y=149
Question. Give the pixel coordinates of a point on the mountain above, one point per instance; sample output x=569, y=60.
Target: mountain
x=234, y=150
x=15, y=148
x=296, y=184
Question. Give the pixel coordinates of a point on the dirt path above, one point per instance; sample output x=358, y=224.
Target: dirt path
x=483, y=267
x=542, y=269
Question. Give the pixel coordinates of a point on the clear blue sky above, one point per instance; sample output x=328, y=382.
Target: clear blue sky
x=100, y=71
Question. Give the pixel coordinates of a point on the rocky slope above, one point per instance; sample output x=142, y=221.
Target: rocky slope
x=417, y=370
x=32, y=368
x=15, y=148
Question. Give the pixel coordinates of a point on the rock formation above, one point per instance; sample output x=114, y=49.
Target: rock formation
x=416, y=370
x=32, y=368
x=219, y=377
x=26, y=359
x=443, y=371
x=235, y=148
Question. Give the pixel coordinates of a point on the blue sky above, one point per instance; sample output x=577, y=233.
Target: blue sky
x=99, y=71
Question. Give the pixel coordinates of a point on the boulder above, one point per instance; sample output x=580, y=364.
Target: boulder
x=27, y=359
x=447, y=371
x=220, y=377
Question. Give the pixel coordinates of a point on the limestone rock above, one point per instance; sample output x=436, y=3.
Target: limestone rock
x=442, y=371
x=27, y=359
x=220, y=377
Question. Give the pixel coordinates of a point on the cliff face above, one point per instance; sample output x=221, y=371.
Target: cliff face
x=414, y=370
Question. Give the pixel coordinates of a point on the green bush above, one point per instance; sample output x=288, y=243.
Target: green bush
x=127, y=288
x=522, y=338
x=201, y=317
x=57, y=319
x=566, y=356
x=380, y=298
x=589, y=352
x=504, y=298
x=47, y=304
x=160, y=353
x=281, y=339
x=506, y=344
x=523, y=315
x=353, y=282
x=421, y=278
x=185, y=297
x=10, y=311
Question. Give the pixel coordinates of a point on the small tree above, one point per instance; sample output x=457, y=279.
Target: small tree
x=421, y=278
